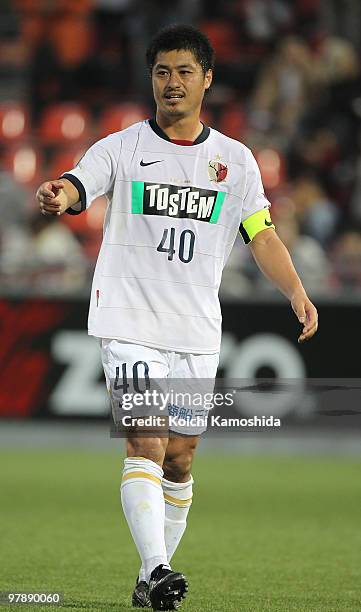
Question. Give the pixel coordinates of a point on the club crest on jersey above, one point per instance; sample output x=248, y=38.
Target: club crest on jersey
x=217, y=170
x=174, y=201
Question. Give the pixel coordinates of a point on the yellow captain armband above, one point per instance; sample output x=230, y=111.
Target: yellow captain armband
x=257, y=222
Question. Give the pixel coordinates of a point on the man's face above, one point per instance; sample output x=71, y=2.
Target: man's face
x=179, y=83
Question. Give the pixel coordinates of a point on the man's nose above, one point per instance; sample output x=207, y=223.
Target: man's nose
x=174, y=80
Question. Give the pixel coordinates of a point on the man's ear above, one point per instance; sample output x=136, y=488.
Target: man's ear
x=208, y=78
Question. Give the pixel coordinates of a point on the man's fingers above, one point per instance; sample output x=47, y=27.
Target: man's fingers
x=46, y=193
x=48, y=213
x=47, y=189
x=52, y=186
x=50, y=201
x=307, y=315
x=57, y=187
x=312, y=319
x=49, y=197
x=301, y=315
x=306, y=335
x=310, y=315
x=57, y=184
x=300, y=312
x=50, y=206
x=50, y=209
x=308, y=326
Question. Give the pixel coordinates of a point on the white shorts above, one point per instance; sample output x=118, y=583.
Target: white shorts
x=184, y=383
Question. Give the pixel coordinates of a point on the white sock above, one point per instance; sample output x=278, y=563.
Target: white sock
x=178, y=500
x=144, y=508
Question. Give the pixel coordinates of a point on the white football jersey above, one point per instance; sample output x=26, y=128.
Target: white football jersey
x=172, y=218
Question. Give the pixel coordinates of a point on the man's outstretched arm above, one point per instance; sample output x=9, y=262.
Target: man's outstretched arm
x=275, y=263
x=55, y=197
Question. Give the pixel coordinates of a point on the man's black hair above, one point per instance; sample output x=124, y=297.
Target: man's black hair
x=185, y=38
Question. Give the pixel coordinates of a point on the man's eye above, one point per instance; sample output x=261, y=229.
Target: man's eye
x=161, y=72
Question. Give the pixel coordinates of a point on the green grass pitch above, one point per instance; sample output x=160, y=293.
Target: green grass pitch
x=264, y=534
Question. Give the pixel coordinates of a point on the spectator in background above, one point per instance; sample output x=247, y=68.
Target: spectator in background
x=108, y=73
x=337, y=59
x=309, y=257
x=236, y=281
x=326, y=141
x=307, y=253
x=58, y=257
x=14, y=213
x=265, y=19
x=343, y=18
x=316, y=148
x=42, y=256
x=59, y=36
x=315, y=213
x=14, y=227
x=14, y=55
x=356, y=195
x=286, y=87
x=346, y=259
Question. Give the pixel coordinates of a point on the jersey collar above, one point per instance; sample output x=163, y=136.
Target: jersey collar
x=201, y=138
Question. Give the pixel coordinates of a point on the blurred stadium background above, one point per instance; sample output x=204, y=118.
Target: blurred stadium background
x=287, y=84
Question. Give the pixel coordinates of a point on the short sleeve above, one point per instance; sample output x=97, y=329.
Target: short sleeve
x=95, y=172
x=254, y=198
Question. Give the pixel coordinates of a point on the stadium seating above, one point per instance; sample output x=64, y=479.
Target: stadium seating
x=65, y=123
x=65, y=159
x=233, y=121
x=119, y=117
x=14, y=122
x=25, y=164
x=224, y=39
x=272, y=166
x=87, y=227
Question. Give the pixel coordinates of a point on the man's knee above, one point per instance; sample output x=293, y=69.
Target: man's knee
x=149, y=448
x=178, y=459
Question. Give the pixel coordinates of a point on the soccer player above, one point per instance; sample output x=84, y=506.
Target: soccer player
x=178, y=192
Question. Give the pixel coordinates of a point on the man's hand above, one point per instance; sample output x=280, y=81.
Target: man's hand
x=275, y=262
x=51, y=197
x=306, y=313
x=55, y=197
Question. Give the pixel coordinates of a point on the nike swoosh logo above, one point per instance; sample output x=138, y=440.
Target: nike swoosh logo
x=158, y=161
x=268, y=223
